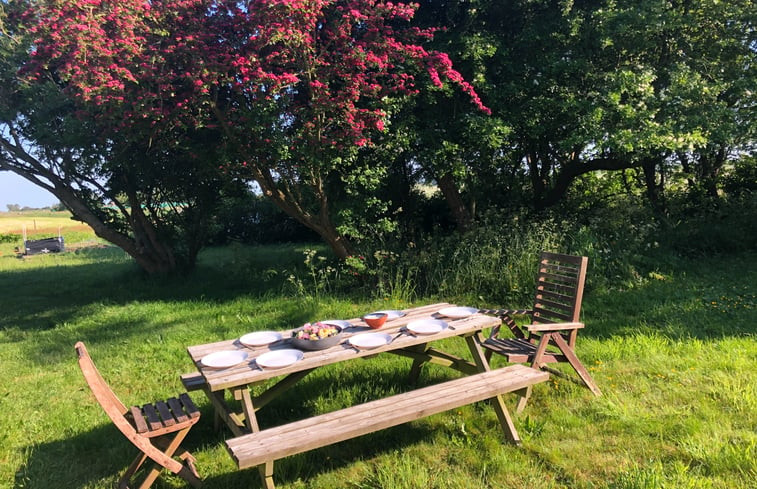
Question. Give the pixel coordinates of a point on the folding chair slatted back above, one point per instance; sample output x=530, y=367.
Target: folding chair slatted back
x=559, y=291
x=554, y=319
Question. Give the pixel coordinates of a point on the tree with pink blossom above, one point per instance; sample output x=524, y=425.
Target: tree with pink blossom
x=294, y=87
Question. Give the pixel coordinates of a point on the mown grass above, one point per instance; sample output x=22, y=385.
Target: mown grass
x=674, y=357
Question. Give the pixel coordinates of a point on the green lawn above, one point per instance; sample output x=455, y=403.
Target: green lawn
x=675, y=358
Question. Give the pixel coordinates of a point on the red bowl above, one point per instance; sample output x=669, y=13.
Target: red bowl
x=375, y=320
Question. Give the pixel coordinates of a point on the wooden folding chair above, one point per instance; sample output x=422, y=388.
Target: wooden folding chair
x=157, y=430
x=554, y=322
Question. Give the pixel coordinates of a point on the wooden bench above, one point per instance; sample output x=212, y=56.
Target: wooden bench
x=192, y=381
x=270, y=444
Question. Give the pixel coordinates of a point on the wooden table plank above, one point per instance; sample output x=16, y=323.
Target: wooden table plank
x=248, y=373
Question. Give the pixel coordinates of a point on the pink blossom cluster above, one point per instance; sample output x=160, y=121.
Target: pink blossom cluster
x=290, y=79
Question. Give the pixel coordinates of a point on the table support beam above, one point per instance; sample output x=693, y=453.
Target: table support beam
x=277, y=389
x=222, y=409
x=437, y=357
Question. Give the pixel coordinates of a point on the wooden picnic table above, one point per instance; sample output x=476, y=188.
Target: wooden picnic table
x=238, y=379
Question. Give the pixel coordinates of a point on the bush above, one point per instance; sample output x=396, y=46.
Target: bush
x=250, y=219
x=495, y=265
x=705, y=226
x=10, y=238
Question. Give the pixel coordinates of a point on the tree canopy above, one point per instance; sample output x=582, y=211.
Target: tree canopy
x=295, y=87
x=339, y=109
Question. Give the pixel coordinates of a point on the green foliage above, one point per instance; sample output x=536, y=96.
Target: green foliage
x=489, y=265
x=10, y=238
x=704, y=225
x=247, y=218
x=741, y=178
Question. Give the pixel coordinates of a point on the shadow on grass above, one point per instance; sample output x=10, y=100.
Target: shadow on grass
x=99, y=456
x=41, y=298
x=75, y=461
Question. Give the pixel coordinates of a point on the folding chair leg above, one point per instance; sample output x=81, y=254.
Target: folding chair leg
x=169, y=450
x=188, y=472
x=123, y=482
x=576, y=364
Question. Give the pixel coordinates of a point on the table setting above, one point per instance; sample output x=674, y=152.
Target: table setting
x=257, y=355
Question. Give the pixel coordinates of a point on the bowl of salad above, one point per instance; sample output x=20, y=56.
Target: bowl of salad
x=316, y=336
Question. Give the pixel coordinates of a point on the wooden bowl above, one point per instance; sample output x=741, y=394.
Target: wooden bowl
x=375, y=320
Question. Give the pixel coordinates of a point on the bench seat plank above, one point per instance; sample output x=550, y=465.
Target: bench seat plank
x=274, y=443
x=192, y=381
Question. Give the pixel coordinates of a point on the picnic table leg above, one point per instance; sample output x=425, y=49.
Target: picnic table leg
x=266, y=469
x=498, y=403
x=217, y=415
x=415, y=370
x=223, y=412
x=536, y=363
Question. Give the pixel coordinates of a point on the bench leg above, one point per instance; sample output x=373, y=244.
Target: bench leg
x=508, y=427
x=266, y=469
x=498, y=403
x=266, y=475
x=523, y=399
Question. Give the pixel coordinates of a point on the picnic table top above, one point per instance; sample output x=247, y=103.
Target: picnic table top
x=248, y=372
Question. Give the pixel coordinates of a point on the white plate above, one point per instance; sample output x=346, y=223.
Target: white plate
x=368, y=341
x=426, y=326
x=458, y=312
x=279, y=358
x=337, y=322
x=391, y=314
x=224, y=359
x=260, y=338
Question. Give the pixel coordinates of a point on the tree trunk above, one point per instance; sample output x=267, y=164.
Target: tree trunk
x=534, y=171
x=150, y=260
x=460, y=213
x=572, y=170
x=154, y=259
x=339, y=245
x=711, y=163
x=686, y=165
x=321, y=223
x=653, y=190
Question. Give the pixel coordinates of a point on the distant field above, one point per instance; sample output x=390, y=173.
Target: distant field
x=41, y=224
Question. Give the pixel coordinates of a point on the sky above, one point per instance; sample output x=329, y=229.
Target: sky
x=17, y=190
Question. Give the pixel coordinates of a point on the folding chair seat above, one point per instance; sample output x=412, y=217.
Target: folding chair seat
x=157, y=429
x=552, y=329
